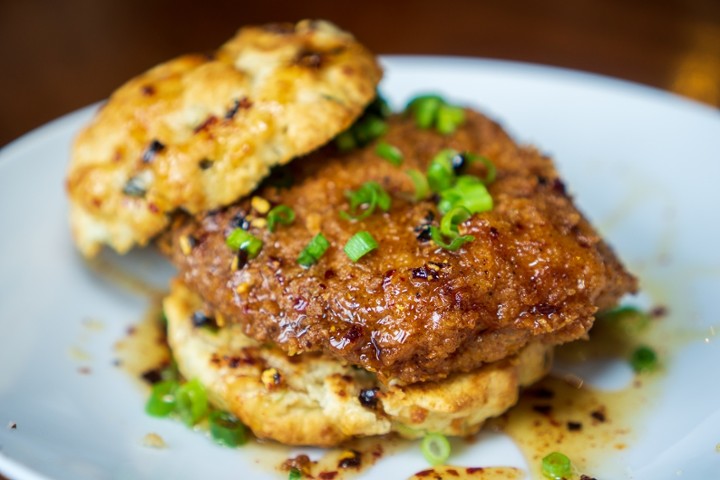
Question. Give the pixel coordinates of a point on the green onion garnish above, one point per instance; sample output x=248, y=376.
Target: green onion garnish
x=280, y=214
x=451, y=220
x=489, y=166
x=433, y=111
x=368, y=129
x=226, y=429
x=379, y=107
x=627, y=319
x=191, y=402
x=240, y=239
x=424, y=109
x=313, y=251
x=449, y=118
x=370, y=194
x=360, y=245
x=345, y=141
x=390, y=153
x=435, y=447
x=162, y=398
x=452, y=243
x=294, y=474
x=468, y=192
x=557, y=466
x=422, y=188
x=440, y=173
x=644, y=359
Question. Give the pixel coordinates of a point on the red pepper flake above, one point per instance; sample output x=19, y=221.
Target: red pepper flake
x=12, y=426
x=210, y=121
x=84, y=370
x=471, y=470
x=424, y=473
x=153, y=208
x=148, y=90
x=543, y=309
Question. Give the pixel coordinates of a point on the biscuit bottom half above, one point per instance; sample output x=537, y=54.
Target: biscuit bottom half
x=311, y=399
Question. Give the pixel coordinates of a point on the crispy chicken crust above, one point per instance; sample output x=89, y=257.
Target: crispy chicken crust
x=410, y=311
x=199, y=132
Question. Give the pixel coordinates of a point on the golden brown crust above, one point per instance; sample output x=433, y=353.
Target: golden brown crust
x=314, y=400
x=411, y=311
x=198, y=132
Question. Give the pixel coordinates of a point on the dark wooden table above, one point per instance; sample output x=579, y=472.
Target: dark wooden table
x=59, y=55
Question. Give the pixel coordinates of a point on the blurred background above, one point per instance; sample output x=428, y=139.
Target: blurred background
x=59, y=55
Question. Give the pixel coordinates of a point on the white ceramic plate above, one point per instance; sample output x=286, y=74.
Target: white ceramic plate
x=643, y=164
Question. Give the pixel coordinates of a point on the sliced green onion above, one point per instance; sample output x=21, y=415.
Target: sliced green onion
x=454, y=242
x=557, y=466
x=313, y=251
x=433, y=111
x=240, y=239
x=226, y=429
x=644, y=359
x=191, y=402
x=629, y=320
x=370, y=194
x=435, y=447
x=294, y=474
x=449, y=118
x=379, y=107
x=368, y=129
x=422, y=188
x=489, y=167
x=390, y=153
x=468, y=192
x=360, y=245
x=281, y=214
x=451, y=220
x=424, y=109
x=440, y=173
x=345, y=141
x=162, y=398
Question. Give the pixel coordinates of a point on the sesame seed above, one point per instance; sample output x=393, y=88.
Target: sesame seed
x=260, y=205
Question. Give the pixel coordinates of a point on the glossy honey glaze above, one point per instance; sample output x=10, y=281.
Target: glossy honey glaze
x=590, y=426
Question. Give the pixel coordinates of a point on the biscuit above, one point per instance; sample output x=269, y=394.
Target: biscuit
x=310, y=399
x=199, y=132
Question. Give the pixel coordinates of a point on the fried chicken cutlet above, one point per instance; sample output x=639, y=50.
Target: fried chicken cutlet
x=410, y=311
x=313, y=399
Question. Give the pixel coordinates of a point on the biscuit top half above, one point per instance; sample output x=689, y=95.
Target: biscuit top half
x=201, y=131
